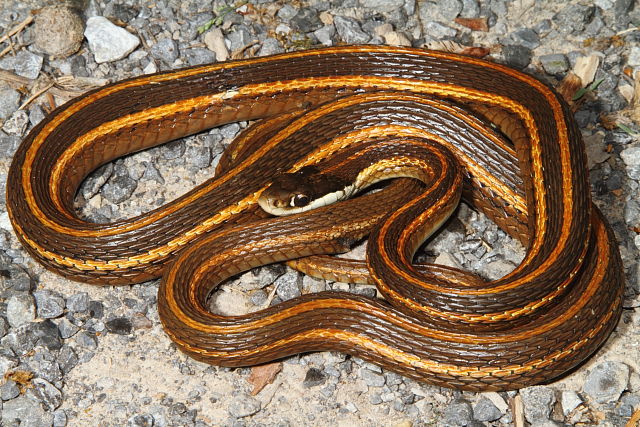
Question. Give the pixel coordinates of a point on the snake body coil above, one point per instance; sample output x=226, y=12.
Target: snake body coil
x=554, y=310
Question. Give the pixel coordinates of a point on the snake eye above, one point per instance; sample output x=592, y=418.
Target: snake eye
x=299, y=200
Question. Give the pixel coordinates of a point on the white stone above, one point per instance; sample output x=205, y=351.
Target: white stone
x=107, y=41
x=214, y=40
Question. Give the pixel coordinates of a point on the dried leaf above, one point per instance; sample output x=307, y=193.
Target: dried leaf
x=475, y=24
x=263, y=375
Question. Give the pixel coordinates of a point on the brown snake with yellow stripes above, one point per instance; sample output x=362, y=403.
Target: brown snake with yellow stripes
x=435, y=324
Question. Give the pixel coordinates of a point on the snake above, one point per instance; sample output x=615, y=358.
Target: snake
x=431, y=117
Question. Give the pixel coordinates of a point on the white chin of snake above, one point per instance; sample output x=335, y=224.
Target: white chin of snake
x=325, y=200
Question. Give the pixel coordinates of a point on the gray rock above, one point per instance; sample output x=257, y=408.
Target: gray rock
x=25, y=410
x=6, y=364
x=21, y=309
x=78, y=303
x=270, y=46
x=569, y=400
x=9, y=102
x=458, y=413
x=121, y=12
x=173, y=150
x=485, y=410
x=349, y=30
x=67, y=359
x=627, y=405
x=4, y=326
x=243, y=405
x=258, y=297
x=119, y=189
x=631, y=158
x=634, y=56
x=606, y=382
x=554, y=64
x=538, y=403
x=314, y=377
x=199, y=56
x=311, y=284
x=17, y=279
x=27, y=64
x=325, y=34
x=450, y=9
x=59, y=418
x=306, y=20
x=140, y=421
x=230, y=131
x=87, y=340
x=525, y=37
x=328, y=391
x=66, y=328
x=46, y=334
x=8, y=146
x=287, y=12
x=372, y=379
x=438, y=31
x=96, y=309
x=517, y=56
x=546, y=423
x=96, y=180
x=240, y=38
x=46, y=369
x=288, y=285
x=470, y=9
x=375, y=398
x=574, y=18
x=107, y=41
x=383, y=5
x=119, y=325
x=17, y=123
x=48, y=304
x=50, y=396
x=36, y=115
x=9, y=390
x=165, y=50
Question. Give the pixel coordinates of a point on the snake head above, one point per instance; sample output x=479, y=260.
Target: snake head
x=300, y=191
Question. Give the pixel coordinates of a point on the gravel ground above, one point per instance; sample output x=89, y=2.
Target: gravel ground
x=72, y=354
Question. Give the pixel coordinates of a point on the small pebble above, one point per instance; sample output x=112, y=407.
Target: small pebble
x=288, y=286
x=243, y=405
x=372, y=379
x=21, y=309
x=554, y=64
x=314, y=377
x=569, y=400
x=485, y=410
x=28, y=64
x=383, y=5
x=165, y=50
x=458, y=413
x=9, y=102
x=49, y=395
x=538, y=403
x=9, y=390
x=78, y=303
x=107, y=41
x=119, y=325
x=25, y=410
x=17, y=123
x=350, y=31
x=606, y=382
x=49, y=305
